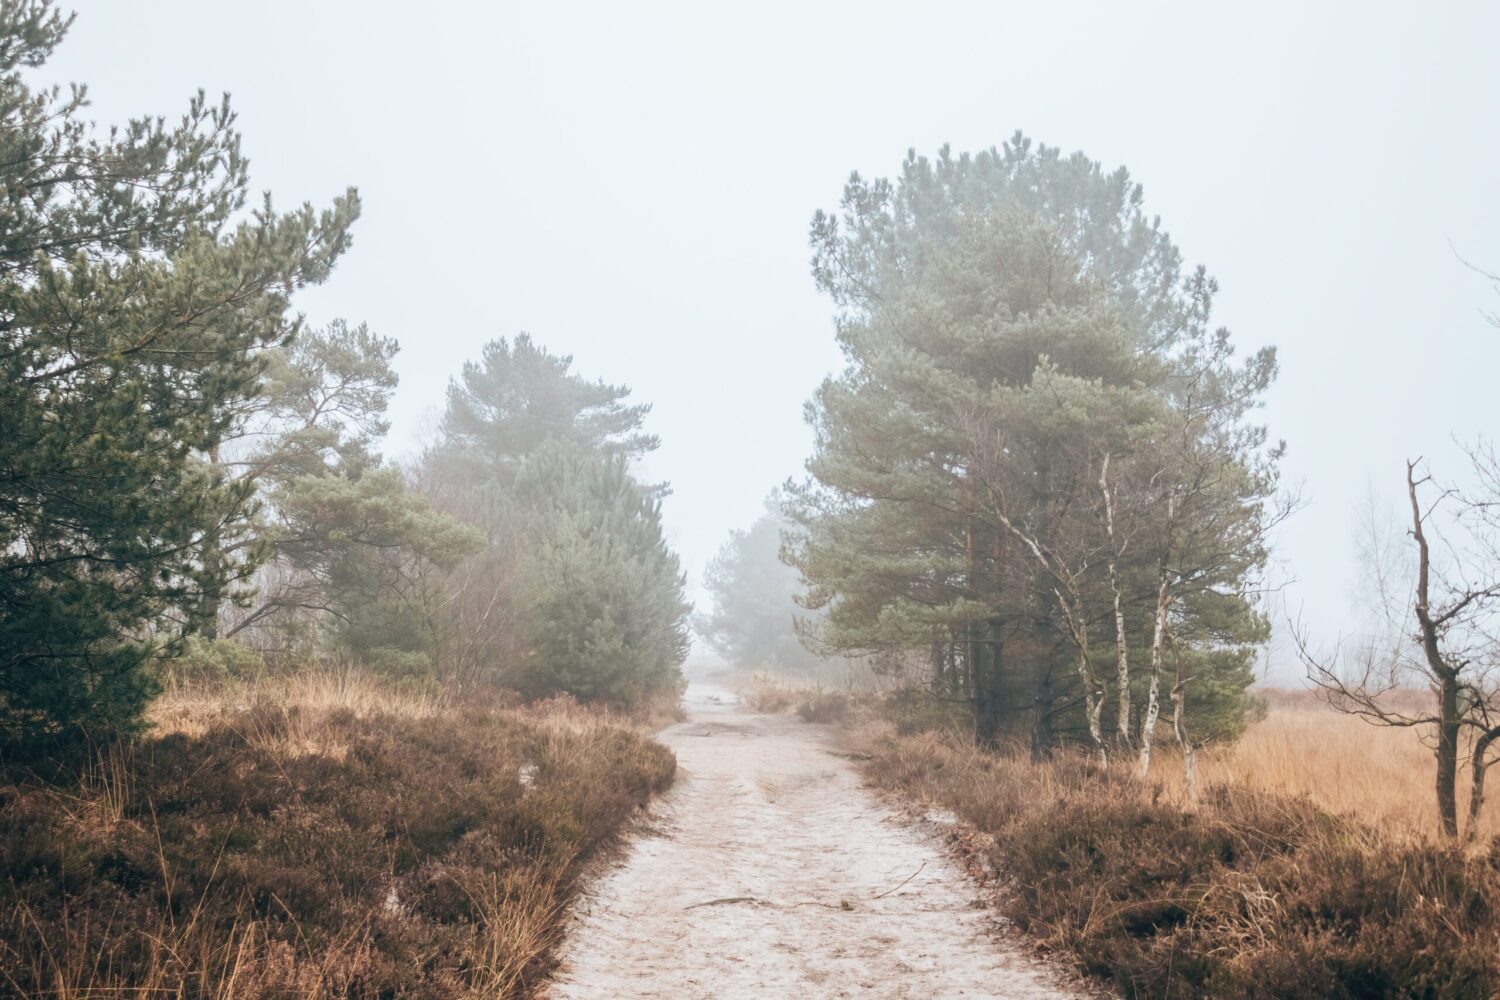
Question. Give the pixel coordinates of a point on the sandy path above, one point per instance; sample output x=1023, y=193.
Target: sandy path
x=771, y=872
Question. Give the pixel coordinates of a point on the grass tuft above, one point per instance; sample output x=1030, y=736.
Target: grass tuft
x=1255, y=893
x=321, y=834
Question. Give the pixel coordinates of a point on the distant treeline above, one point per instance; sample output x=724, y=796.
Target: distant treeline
x=190, y=476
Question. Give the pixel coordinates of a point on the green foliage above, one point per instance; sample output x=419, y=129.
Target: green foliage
x=753, y=619
x=358, y=558
x=1036, y=415
x=518, y=397
x=917, y=710
x=214, y=660
x=137, y=301
x=605, y=617
x=576, y=590
x=373, y=553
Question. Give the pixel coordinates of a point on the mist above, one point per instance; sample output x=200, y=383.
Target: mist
x=591, y=500
x=633, y=185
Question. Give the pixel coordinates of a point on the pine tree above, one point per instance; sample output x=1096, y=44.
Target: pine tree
x=576, y=589
x=754, y=616
x=137, y=302
x=993, y=469
x=605, y=614
x=518, y=396
x=358, y=557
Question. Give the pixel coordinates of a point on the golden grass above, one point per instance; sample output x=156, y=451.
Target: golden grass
x=1252, y=894
x=325, y=833
x=1379, y=775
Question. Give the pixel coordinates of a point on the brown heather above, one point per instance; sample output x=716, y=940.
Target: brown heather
x=1257, y=892
x=323, y=835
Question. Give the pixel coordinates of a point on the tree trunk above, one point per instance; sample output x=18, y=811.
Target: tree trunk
x=1478, y=767
x=212, y=597
x=1122, y=638
x=1041, y=722
x=1122, y=665
x=1093, y=690
x=1446, y=675
x=1093, y=705
x=1153, y=692
x=1179, y=729
x=941, y=682
x=987, y=700
x=1447, y=752
x=986, y=719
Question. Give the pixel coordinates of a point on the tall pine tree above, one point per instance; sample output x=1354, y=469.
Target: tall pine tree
x=137, y=299
x=1016, y=328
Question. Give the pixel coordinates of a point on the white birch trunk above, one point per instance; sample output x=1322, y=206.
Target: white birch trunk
x=1093, y=693
x=1153, y=693
x=1179, y=728
x=1122, y=640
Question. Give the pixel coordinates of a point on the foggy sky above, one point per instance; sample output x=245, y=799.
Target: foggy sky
x=632, y=184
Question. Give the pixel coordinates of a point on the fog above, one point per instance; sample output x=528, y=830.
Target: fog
x=632, y=185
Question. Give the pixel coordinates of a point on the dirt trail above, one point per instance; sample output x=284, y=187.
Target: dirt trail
x=770, y=872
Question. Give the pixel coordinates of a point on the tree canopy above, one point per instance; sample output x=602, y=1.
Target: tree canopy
x=1037, y=458
x=138, y=301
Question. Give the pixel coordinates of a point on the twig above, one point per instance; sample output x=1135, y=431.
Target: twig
x=903, y=881
x=725, y=900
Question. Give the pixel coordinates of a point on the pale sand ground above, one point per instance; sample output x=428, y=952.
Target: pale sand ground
x=769, y=871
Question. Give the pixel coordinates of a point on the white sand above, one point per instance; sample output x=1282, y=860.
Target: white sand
x=770, y=872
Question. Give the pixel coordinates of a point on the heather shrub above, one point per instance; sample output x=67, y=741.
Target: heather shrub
x=1253, y=894
x=824, y=706
x=349, y=845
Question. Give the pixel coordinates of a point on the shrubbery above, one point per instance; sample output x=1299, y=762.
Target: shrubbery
x=1253, y=895
x=210, y=660
x=333, y=839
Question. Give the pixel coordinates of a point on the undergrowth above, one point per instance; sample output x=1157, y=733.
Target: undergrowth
x=1254, y=894
x=324, y=837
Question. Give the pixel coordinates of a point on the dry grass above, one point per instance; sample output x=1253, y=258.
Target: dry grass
x=318, y=835
x=772, y=695
x=1256, y=893
x=814, y=699
x=1376, y=774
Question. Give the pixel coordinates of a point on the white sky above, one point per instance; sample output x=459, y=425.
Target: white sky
x=632, y=183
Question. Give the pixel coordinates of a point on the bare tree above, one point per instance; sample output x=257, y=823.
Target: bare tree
x=1454, y=649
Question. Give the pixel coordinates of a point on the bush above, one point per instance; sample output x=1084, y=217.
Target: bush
x=401, y=664
x=1254, y=895
x=214, y=660
x=762, y=694
x=824, y=706
x=917, y=710
x=347, y=842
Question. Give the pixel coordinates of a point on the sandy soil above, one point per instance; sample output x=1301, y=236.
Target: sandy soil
x=769, y=871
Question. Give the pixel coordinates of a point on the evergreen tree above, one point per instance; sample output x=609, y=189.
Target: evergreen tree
x=137, y=302
x=518, y=396
x=605, y=613
x=575, y=589
x=753, y=619
x=1023, y=404
x=358, y=556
